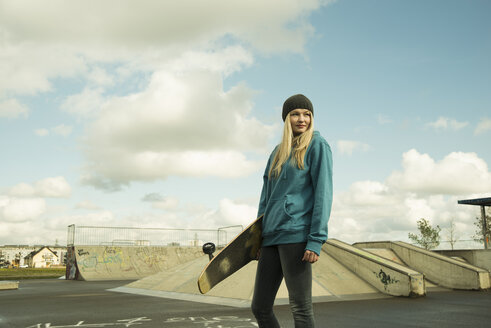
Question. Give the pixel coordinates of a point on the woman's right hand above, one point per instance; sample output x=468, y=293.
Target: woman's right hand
x=310, y=257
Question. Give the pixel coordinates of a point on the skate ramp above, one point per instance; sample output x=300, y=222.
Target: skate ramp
x=386, y=254
x=331, y=281
x=128, y=262
x=385, y=275
x=477, y=257
x=390, y=255
x=9, y=284
x=439, y=269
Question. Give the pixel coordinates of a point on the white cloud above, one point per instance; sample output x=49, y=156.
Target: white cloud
x=187, y=216
x=177, y=53
x=87, y=205
x=224, y=61
x=183, y=124
x=22, y=190
x=456, y=174
x=153, y=197
x=395, y=221
x=445, y=123
x=425, y=188
x=54, y=187
x=85, y=104
x=21, y=209
x=368, y=193
x=140, y=36
x=33, y=233
x=62, y=130
x=41, y=132
x=197, y=216
x=371, y=210
x=167, y=203
x=27, y=67
x=11, y=108
x=367, y=209
x=349, y=146
x=234, y=212
x=483, y=126
x=419, y=208
x=279, y=23
x=100, y=77
x=100, y=218
x=229, y=213
x=111, y=174
x=162, y=202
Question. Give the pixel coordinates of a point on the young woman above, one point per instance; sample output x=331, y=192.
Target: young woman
x=296, y=202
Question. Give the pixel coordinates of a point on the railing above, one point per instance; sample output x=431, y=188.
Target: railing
x=126, y=236
x=460, y=244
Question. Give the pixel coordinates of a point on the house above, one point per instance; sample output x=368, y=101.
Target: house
x=14, y=255
x=42, y=258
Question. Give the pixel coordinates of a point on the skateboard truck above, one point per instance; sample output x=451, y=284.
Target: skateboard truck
x=209, y=248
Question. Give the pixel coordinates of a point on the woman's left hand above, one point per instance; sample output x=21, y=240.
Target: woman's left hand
x=310, y=257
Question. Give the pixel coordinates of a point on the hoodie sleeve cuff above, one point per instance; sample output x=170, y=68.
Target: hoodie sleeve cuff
x=314, y=246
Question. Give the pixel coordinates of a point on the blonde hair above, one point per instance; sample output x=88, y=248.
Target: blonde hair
x=298, y=145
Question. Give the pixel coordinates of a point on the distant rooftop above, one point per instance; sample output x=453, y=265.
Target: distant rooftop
x=30, y=246
x=476, y=201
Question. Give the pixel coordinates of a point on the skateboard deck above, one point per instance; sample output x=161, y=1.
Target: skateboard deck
x=240, y=251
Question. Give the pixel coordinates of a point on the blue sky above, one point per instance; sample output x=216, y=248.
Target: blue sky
x=163, y=115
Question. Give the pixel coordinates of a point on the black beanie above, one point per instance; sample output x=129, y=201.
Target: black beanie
x=296, y=102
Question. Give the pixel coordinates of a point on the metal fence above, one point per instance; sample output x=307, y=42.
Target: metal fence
x=446, y=245
x=125, y=236
x=460, y=244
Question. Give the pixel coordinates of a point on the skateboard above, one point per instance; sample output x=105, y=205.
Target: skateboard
x=240, y=251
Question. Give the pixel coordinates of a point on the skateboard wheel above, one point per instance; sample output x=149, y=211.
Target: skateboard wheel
x=209, y=248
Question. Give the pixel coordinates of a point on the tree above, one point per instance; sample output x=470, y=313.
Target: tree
x=428, y=237
x=480, y=232
x=452, y=234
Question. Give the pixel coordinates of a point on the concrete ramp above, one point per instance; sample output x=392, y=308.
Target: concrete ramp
x=386, y=254
x=442, y=270
x=390, y=255
x=385, y=275
x=332, y=281
x=477, y=257
x=128, y=262
x=9, y=284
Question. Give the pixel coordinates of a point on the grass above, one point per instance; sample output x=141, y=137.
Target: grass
x=31, y=273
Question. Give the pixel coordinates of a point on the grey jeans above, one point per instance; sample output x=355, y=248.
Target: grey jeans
x=276, y=262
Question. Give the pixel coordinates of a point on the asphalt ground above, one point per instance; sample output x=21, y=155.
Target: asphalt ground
x=61, y=303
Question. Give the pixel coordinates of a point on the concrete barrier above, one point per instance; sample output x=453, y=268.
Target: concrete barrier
x=387, y=276
x=127, y=262
x=477, y=257
x=8, y=284
x=440, y=269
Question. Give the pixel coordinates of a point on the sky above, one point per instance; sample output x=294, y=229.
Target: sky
x=163, y=113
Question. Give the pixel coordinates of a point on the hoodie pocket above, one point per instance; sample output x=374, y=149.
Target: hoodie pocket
x=293, y=208
x=276, y=217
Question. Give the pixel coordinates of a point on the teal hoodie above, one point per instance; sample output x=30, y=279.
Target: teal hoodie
x=297, y=204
